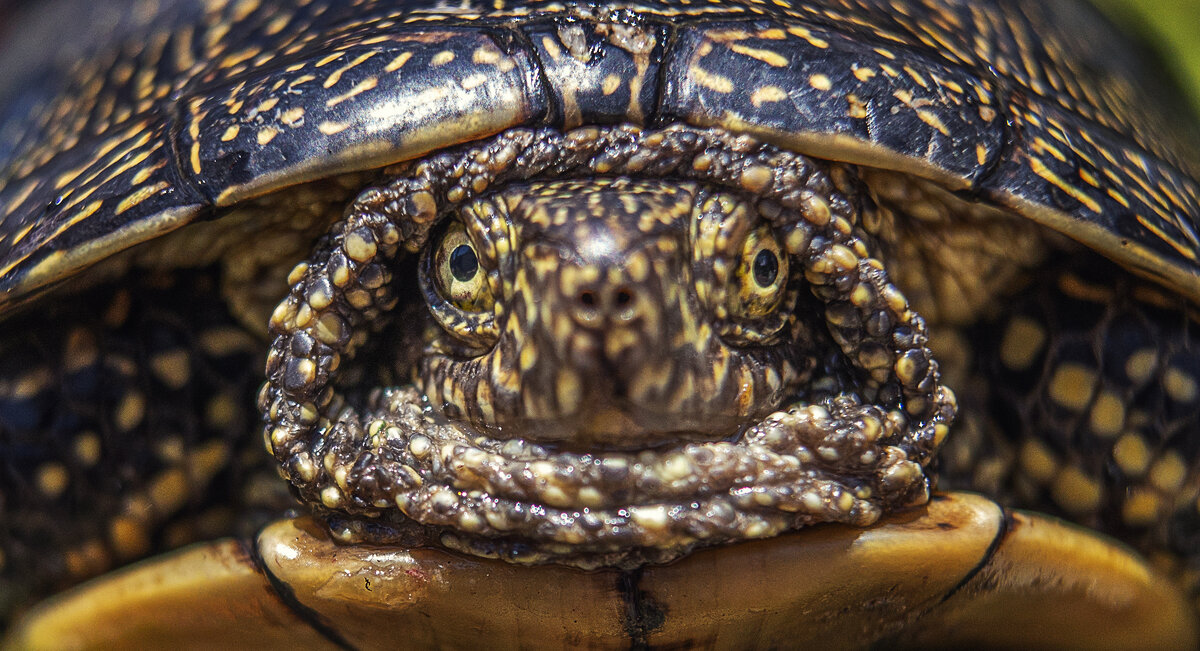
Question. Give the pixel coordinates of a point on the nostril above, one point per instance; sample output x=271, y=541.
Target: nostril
x=624, y=297
x=588, y=298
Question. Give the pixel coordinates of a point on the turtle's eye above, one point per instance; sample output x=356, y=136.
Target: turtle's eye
x=761, y=275
x=461, y=280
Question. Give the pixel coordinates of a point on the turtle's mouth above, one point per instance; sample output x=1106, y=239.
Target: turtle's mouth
x=414, y=468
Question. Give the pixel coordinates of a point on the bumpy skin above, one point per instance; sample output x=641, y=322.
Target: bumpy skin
x=1024, y=111
x=848, y=441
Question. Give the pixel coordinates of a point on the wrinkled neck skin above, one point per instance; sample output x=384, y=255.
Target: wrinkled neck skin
x=634, y=343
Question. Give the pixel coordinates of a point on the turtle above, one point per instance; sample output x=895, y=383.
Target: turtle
x=635, y=324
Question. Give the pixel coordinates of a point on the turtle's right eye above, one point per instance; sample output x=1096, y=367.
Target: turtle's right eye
x=461, y=279
x=761, y=276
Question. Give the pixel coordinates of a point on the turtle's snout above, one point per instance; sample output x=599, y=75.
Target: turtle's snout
x=616, y=311
x=603, y=307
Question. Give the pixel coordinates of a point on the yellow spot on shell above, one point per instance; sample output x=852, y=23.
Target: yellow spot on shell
x=1023, y=340
x=398, y=62
x=1179, y=385
x=1072, y=385
x=1167, y=474
x=442, y=58
x=87, y=448
x=128, y=537
x=1131, y=454
x=266, y=135
x=820, y=82
x=1075, y=491
x=1141, y=508
x=1140, y=365
x=140, y=195
x=292, y=116
x=173, y=367
x=169, y=491
x=332, y=128
x=1037, y=460
x=130, y=410
x=52, y=479
x=769, y=57
x=1108, y=415
x=864, y=74
x=766, y=94
x=711, y=80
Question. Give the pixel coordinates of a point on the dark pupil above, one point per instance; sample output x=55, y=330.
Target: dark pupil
x=766, y=267
x=463, y=263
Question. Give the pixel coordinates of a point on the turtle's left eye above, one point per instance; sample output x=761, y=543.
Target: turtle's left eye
x=460, y=278
x=761, y=275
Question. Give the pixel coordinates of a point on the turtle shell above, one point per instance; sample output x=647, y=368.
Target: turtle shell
x=1027, y=106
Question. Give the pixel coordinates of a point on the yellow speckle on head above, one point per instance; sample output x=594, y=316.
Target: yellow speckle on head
x=1072, y=385
x=442, y=58
x=1075, y=491
x=52, y=479
x=1037, y=460
x=820, y=82
x=567, y=391
x=1131, y=454
x=230, y=133
x=1022, y=342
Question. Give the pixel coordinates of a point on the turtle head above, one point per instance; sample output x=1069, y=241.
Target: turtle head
x=631, y=343
x=609, y=312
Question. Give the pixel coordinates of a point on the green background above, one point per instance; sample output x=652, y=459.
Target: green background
x=1173, y=26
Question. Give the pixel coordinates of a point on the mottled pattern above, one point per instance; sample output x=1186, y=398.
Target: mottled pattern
x=125, y=408
x=240, y=98
x=1094, y=394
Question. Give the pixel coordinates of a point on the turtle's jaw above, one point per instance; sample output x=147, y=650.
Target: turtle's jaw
x=527, y=502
